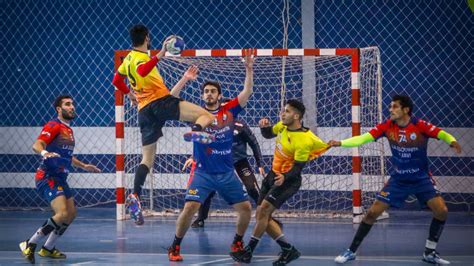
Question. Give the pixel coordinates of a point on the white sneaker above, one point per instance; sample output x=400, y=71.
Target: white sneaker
x=345, y=256
x=434, y=258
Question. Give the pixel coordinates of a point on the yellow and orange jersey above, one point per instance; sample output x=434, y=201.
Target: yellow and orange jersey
x=300, y=145
x=148, y=88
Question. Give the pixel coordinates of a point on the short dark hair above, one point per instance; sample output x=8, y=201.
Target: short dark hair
x=138, y=34
x=404, y=101
x=299, y=106
x=212, y=83
x=59, y=100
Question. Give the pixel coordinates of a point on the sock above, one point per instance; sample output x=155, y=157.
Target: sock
x=53, y=236
x=196, y=127
x=43, y=231
x=253, y=242
x=139, y=181
x=237, y=238
x=177, y=241
x=436, y=228
x=51, y=241
x=281, y=240
x=362, y=231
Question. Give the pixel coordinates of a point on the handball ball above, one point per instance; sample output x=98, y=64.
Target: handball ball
x=175, y=45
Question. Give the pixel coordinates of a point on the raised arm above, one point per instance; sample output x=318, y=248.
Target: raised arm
x=190, y=74
x=244, y=95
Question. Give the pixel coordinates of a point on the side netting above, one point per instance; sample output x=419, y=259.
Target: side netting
x=324, y=83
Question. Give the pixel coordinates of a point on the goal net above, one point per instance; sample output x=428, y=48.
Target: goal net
x=340, y=89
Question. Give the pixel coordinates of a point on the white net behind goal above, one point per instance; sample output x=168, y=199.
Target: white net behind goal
x=323, y=83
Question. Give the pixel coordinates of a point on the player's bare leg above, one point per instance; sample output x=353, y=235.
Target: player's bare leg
x=59, y=206
x=244, y=213
x=143, y=169
x=377, y=208
x=201, y=118
x=49, y=248
x=440, y=214
x=182, y=225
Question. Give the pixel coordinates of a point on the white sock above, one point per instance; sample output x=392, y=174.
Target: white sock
x=38, y=235
x=51, y=241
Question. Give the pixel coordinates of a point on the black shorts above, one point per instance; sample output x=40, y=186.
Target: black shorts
x=153, y=116
x=277, y=195
x=245, y=172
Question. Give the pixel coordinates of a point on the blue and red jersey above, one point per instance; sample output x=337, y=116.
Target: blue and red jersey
x=409, y=147
x=217, y=156
x=59, y=138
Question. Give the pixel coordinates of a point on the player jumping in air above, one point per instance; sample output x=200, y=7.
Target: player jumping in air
x=155, y=106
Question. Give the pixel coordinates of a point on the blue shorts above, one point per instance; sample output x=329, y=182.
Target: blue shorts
x=227, y=185
x=50, y=187
x=396, y=192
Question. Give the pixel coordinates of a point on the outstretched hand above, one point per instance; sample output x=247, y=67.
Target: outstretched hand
x=334, y=143
x=249, y=57
x=456, y=147
x=191, y=73
x=92, y=168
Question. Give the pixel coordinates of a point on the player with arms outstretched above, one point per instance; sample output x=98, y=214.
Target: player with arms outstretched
x=243, y=136
x=155, y=106
x=295, y=146
x=56, y=146
x=214, y=170
x=408, y=137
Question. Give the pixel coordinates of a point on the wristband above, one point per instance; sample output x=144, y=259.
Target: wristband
x=43, y=152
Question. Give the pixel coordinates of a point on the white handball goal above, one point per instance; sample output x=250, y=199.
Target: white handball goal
x=341, y=89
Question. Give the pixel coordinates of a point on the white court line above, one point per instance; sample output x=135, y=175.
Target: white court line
x=291, y=220
x=259, y=257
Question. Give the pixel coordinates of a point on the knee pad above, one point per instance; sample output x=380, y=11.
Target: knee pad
x=49, y=226
x=62, y=229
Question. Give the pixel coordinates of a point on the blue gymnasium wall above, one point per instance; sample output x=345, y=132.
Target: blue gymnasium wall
x=50, y=46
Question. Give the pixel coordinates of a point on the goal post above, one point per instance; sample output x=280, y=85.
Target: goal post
x=345, y=96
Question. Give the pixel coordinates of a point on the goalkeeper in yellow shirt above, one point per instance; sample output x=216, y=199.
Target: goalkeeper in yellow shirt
x=295, y=146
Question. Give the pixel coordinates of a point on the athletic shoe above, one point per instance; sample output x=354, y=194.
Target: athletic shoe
x=287, y=256
x=199, y=137
x=53, y=253
x=239, y=245
x=345, y=256
x=173, y=253
x=135, y=209
x=197, y=224
x=28, y=251
x=244, y=255
x=434, y=258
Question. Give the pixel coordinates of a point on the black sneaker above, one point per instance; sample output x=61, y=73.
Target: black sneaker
x=197, y=224
x=287, y=256
x=244, y=255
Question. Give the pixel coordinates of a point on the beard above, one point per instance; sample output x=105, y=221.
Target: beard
x=68, y=115
x=211, y=101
